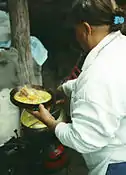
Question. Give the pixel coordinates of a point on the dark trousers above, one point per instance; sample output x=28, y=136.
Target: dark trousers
x=117, y=169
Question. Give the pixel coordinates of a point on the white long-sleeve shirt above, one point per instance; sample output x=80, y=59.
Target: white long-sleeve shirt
x=98, y=106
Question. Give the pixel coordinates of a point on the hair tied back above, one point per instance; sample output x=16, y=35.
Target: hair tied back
x=119, y=20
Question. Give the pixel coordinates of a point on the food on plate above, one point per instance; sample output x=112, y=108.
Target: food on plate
x=31, y=95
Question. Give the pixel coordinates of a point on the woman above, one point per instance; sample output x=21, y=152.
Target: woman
x=98, y=95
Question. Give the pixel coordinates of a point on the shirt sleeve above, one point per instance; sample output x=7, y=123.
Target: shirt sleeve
x=68, y=86
x=92, y=127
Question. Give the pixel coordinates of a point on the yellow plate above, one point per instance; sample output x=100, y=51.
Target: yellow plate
x=42, y=98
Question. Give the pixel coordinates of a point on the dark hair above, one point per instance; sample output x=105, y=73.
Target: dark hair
x=97, y=12
x=121, y=2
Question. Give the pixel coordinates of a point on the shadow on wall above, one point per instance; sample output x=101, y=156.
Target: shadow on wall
x=47, y=19
x=47, y=22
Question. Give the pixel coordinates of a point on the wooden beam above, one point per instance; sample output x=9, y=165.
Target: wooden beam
x=20, y=29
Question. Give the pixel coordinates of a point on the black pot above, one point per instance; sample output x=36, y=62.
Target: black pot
x=38, y=137
x=41, y=135
x=31, y=106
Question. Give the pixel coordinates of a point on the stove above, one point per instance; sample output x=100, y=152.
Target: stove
x=21, y=156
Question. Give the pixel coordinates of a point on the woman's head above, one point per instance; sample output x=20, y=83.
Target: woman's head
x=94, y=19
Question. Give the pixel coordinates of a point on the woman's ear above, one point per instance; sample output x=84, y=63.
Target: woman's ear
x=87, y=28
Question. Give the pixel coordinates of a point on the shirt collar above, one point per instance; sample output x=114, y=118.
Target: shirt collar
x=95, y=51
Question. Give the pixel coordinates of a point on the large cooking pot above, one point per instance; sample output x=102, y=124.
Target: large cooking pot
x=32, y=106
x=35, y=131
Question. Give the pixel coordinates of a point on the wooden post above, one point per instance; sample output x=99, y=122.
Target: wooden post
x=20, y=30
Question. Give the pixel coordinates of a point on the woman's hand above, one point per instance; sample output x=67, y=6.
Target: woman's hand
x=44, y=116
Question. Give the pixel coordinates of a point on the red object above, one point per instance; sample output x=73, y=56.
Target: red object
x=57, y=152
x=60, y=163
x=74, y=74
x=55, y=157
